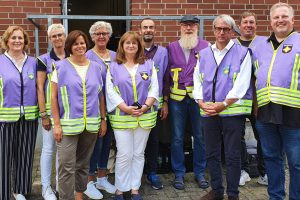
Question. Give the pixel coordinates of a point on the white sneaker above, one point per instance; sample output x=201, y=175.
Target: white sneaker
x=19, y=196
x=103, y=184
x=263, y=180
x=92, y=192
x=244, y=178
x=48, y=193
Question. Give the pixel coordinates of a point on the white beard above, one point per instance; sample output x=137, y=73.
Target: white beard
x=188, y=41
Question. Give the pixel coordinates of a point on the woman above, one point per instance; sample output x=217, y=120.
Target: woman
x=100, y=33
x=57, y=38
x=18, y=114
x=77, y=107
x=132, y=89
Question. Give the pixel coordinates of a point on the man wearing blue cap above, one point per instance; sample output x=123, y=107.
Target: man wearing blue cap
x=183, y=55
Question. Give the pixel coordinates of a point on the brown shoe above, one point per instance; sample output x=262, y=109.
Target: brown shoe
x=233, y=198
x=212, y=196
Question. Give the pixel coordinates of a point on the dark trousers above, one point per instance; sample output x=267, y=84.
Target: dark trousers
x=152, y=148
x=17, y=144
x=229, y=129
x=244, y=154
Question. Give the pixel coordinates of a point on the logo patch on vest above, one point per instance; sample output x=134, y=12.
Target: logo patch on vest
x=287, y=48
x=31, y=76
x=144, y=75
x=226, y=69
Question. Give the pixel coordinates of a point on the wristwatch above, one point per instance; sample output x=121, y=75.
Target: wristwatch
x=103, y=118
x=43, y=115
x=225, y=104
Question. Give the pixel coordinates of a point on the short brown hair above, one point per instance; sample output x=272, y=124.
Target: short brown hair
x=72, y=37
x=139, y=57
x=247, y=14
x=9, y=31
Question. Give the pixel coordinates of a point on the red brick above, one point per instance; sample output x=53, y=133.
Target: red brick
x=6, y=21
x=5, y=9
x=138, y=12
x=156, y=6
x=17, y=9
x=194, y=1
x=31, y=10
x=52, y=4
x=228, y=12
x=152, y=12
x=182, y=12
x=188, y=6
x=154, y=1
x=8, y=3
x=173, y=5
x=205, y=6
x=17, y=15
x=238, y=6
x=40, y=4
x=26, y=3
x=172, y=1
x=221, y=6
x=169, y=12
x=169, y=34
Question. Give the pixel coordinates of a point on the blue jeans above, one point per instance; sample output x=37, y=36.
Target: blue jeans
x=100, y=154
x=275, y=141
x=180, y=112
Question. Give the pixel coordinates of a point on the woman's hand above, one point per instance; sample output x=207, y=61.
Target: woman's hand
x=57, y=133
x=46, y=123
x=103, y=128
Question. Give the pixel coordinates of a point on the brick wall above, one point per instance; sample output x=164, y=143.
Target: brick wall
x=169, y=30
x=14, y=12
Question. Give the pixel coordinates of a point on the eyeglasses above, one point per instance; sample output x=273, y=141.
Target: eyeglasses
x=59, y=35
x=101, y=34
x=224, y=29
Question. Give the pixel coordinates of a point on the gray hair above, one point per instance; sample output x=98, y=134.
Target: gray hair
x=100, y=24
x=227, y=18
x=280, y=4
x=55, y=26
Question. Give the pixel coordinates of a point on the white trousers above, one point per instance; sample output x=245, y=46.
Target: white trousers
x=131, y=144
x=46, y=158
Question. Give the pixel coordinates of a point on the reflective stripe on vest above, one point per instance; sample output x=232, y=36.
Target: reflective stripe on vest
x=176, y=93
x=146, y=121
x=160, y=102
x=243, y=108
x=48, y=95
x=284, y=96
x=13, y=114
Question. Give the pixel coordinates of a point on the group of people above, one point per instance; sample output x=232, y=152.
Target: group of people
x=85, y=97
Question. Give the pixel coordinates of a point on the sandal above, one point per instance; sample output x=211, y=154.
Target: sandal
x=178, y=183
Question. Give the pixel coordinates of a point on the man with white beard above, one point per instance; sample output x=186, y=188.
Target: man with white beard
x=183, y=55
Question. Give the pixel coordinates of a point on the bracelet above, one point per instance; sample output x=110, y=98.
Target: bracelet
x=43, y=115
x=103, y=118
x=147, y=106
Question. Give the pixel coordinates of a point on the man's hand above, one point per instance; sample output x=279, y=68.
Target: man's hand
x=164, y=111
x=46, y=123
x=57, y=133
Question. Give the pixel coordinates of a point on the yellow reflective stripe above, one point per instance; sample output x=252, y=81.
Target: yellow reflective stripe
x=84, y=99
x=176, y=97
x=175, y=77
x=201, y=77
x=189, y=88
x=160, y=102
x=48, y=108
x=256, y=65
x=178, y=91
x=65, y=101
x=234, y=77
x=135, y=97
x=271, y=66
x=1, y=93
x=9, y=114
x=236, y=109
x=116, y=88
x=295, y=73
x=48, y=92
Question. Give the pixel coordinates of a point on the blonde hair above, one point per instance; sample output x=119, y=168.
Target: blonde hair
x=54, y=27
x=280, y=4
x=9, y=31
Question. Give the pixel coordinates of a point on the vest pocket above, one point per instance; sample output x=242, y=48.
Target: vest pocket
x=65, y=101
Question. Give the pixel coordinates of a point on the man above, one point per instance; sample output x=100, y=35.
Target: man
x=159, y=55
x=277, y=88
x=249, y=39
x=183, y=55
x=222, y=80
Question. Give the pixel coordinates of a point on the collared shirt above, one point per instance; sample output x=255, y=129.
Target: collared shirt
x=276, y=113
x=240, y=86
x=41, y=66
x=149, y=53
x=19, y=67
x=113, y=99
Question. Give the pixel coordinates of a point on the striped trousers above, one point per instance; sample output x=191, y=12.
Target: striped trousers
x=17, y=144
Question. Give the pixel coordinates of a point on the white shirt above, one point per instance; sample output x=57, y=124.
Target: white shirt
x=19, y=67
x=113, y=99
x=81, y=70
x=241, y=83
